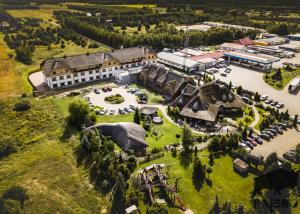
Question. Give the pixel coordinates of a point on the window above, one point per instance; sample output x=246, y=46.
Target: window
x=90, y=72
x=104, y=70
x=116, y=68
x=97, y=71
x=110, y=75
x=110, y=69
x=69, y=82
x=91, y=78
x=122, y=66
x=82, y=80
x=53, y=78
x=61, y=77
x=54, y=85
x=62, y=84
x=97, y=77
x=104, y=76
x=54, y=72
x=76, y=81
x=82, y=73
x=68, y=76
x=75, y=75
x=109, y=63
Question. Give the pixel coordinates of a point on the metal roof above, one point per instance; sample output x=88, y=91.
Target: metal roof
x=177, y=60
x=248, y=57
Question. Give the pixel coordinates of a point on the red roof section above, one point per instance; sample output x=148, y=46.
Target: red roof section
x=246, y=41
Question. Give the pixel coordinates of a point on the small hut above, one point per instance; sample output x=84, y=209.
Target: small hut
x=240, y=166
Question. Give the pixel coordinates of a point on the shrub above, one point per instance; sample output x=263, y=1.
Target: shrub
x=8, y=146
x=22, y=106
x=114, y=99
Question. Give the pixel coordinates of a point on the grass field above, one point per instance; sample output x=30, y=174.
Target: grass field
x=287, y=76
x=227, y=184
x=45, y=163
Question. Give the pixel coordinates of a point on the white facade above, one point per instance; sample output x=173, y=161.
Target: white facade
x=82, y=77
x=179, y=62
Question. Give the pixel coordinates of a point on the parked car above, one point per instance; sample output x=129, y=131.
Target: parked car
x=274, y=103
x=264, y=136
x=248, y=144
x=109, y=89
x=289, y=156
x=227, y=70
x=280, y=105
x=270, y=133
x=259, y=140
x=264, y=97
x=133, y=107
x=121, y=111
x=279, y=130
x=104, y=89
x=126, y=109
x=268, y=101
x=223, y=74
x=111, y=112
x=97, y=91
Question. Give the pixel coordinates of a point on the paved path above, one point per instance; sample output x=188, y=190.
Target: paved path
x=256, y=119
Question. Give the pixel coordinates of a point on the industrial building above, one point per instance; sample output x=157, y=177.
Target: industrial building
x=290, y=47
x=267, y=50
x=179, y=62
x=228, y=26
x=249, y=59
x=232, y=47
x=271, y=41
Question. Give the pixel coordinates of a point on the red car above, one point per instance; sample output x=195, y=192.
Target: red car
x=109, y=89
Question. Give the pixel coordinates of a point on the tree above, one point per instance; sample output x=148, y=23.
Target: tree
x=239, y=90
x=230, y=85
x=8, y=145
x=298, y=152
x=256, y=97
x=177, y=137
x=295, y=121
x=187, y=137
x=16, y=193
x=272, y=159
x=209, y=171
x=119, y=195
x=157, y=209
x=9, y=206
x=211, y=159
x=24, y=55
x=78, y=111
x=199, y=173
x=216, y=207
x=137, y=117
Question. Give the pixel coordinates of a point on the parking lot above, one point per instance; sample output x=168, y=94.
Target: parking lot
x=98, y=99
x=280, y=144
x=253, y=80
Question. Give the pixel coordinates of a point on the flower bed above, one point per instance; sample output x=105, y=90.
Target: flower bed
x=114, y=99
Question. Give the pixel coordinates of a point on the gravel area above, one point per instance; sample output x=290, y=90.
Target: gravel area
x=98, y=99
x=279, y=144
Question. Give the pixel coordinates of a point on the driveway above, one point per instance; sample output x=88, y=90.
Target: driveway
x=98, y=99
x=253, y=80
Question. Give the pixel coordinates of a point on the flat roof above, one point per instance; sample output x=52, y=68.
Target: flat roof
x=191, y=52
x=290, y=45
x=232, y=45
x=184, y=61
x=206, y=60
x=248, y=57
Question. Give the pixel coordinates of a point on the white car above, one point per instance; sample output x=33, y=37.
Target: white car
x=280, y=105
x=127, y=109
x=264, y=97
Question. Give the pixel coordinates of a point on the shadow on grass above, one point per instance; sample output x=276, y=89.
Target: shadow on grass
x=69, y=130
x=198, y=184
x=185, y=158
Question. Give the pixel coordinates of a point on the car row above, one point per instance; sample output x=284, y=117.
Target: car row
x=291, y=155
x=271, y=102
x=126, y=110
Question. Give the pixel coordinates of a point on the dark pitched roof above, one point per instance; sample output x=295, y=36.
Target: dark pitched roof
x=129, y=136
x=123, y=55
x=74, y=62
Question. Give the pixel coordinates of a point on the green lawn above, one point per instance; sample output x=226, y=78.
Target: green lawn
x=287, y=76
x=262, y=114
x=227, y=184
x=45, y=163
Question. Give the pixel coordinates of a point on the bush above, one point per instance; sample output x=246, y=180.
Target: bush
x=22, y=106
x=156, y=150
x=114, y=99
x=8, y=146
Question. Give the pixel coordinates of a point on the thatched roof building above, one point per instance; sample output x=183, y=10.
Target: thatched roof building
x=129, y=136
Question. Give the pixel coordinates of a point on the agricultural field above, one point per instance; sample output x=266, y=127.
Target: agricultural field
x=45, y=163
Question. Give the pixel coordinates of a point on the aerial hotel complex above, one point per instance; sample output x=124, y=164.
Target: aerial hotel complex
x=74, y=70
